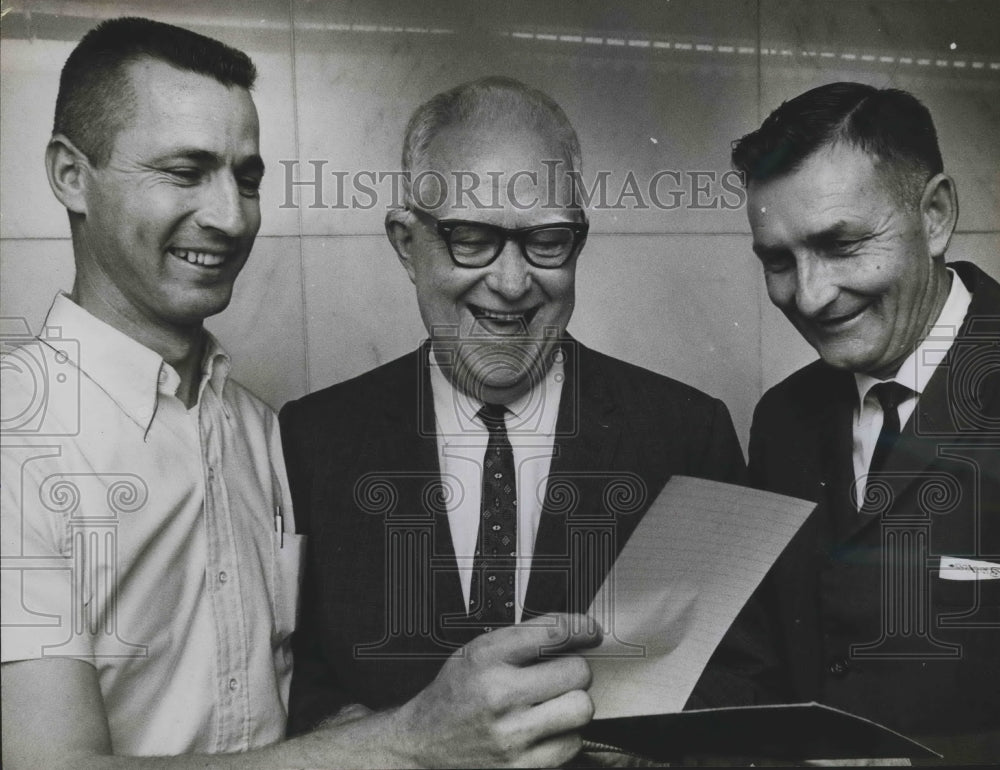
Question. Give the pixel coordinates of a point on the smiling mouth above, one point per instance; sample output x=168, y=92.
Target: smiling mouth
x=839, y=322
x=502, y=322
x=200, y=258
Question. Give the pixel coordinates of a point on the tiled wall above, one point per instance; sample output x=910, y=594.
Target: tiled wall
x=652, y=86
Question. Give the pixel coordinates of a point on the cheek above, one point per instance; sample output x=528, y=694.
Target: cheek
x=558, y=286
x=251, y=215
x=440, y=292
x=780, y=288
x=884, y=280
x=150, y=219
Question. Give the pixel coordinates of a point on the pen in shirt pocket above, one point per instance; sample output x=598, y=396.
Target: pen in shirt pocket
x=279, y=519
x=279, y=526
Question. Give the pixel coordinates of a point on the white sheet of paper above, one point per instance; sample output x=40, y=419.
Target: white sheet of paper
x=683, y=576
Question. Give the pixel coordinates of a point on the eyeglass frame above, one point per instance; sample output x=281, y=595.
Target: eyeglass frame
x=445, y=227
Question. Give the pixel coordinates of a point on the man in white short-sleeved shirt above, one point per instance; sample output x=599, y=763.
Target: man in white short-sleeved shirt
x=183, y=664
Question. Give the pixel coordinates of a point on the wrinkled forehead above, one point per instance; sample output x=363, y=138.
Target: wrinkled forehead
x=487, y=169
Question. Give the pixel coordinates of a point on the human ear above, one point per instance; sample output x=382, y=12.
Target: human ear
x=399, y=225
x=939, y=213
x=67, y=169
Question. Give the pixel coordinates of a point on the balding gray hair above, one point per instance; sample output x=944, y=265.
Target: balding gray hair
x=494, y=101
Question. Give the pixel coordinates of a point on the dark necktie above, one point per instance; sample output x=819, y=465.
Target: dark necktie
x=890, y=395
x=491, y=596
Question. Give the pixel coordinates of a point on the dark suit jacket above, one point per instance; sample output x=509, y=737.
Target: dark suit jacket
x=866, y=623
x=382, y=604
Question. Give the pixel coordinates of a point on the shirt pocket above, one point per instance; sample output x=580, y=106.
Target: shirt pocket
x=288, y=553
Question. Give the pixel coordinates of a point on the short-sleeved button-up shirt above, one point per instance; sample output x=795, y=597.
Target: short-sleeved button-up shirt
x=151, y=540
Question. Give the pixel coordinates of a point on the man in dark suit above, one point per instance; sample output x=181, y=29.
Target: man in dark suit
x=495, y=473
x=887, y=599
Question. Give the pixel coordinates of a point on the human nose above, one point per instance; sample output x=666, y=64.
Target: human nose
x=510, y=275
x=815, y=287
x=225, y=209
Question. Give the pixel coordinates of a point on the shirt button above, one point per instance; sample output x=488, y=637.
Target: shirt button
x=233, y=684
x=211, y=473
x=223, y=577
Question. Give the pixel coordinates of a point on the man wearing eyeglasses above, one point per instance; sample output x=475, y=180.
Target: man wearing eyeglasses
x=494, y=474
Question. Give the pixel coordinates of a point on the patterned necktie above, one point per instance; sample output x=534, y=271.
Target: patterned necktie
x=890, y=395
x=491, y=597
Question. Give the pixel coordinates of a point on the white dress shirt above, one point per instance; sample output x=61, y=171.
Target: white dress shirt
x=462, y=440
x=915, y=373
x=140, y=536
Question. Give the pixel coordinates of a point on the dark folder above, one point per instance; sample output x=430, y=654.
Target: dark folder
x=794, y=732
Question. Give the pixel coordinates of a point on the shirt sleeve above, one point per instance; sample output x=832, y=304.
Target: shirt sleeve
x=37, y=566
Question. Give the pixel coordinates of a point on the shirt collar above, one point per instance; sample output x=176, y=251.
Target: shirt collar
x=534, y=412
x=919, y=366
x=128, y=372
x=215, y=368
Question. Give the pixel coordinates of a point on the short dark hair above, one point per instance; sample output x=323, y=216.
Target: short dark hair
x=888, y=124
x=95, y=94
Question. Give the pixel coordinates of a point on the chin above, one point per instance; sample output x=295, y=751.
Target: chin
x=848, y=362
x=196, y=309
x=485, y=384
x=494, y=377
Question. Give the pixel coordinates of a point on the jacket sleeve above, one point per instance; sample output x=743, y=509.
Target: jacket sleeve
x=721, y=458
x=315, y=694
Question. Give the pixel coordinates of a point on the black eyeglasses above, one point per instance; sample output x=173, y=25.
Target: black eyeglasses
x=478, y=244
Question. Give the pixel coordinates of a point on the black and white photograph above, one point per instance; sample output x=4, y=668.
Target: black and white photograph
x=396, y=384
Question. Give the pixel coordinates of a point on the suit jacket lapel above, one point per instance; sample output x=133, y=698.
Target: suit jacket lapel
x=936, y=419
x=403, y=440
x=588, y=429
x=836, y=421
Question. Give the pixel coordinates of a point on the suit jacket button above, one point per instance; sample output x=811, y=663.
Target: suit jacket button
x=839, y=668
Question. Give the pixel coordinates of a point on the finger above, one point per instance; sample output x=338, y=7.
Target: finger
x=552, y=752
x=575, y=631
x=545, y=680
x=527, y=641
x=568, y=713
x=347, y=714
